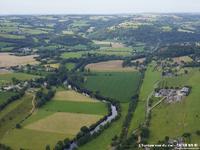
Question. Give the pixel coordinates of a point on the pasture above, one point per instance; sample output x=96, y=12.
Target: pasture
x=16, y=113
x=118, y=85
x=180, y=117
x=67, y=55
x=151, y=78
x=8, y=60
x=103, y=141
x=60, y=118
x=70, y=66
x=109, y=66
x=4, y=96
x=7, y=77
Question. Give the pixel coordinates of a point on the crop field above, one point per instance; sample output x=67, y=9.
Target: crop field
x=56, y=65
x=150, y=79
x=60, y=118
x=76, y=107
x=73, y=96
x=8, y=60
x=113, y=52
x=109, y=66
x=181, y=117
x=7, y=77
x=183, y=58
x=109, y=44
x=61, y=122
x=118, y=85
x=102, y=142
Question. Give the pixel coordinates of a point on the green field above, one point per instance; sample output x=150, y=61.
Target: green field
x=70, y=66
x=68, y=55
x=11, y=36
x=4, y=96
x=118, y=85
x=179, y=117
x=103, y=141
x=76, y=107
x=56, y=120
x=7, y=77
x=36, y=140
x=15, y=113
x=151, y=77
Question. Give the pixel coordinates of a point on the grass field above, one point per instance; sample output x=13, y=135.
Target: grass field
x=151, y=77
x=11, y=36
x=73, y=96
x=70, y=66
x=7, y=77
x=76, y=107
x=68, y=55
x=4, y=96
x=103, y=141
x=180, y=117
x=112, y=66
x=32, y=139
x=8, y=60
x=118, y=85
x=15, y=114
x=67, y=113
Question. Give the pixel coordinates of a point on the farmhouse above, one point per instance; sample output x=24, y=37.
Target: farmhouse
x=173, y=95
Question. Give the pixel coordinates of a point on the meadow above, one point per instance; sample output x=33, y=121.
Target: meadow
x=151, y=78
x=103, y=141
x=7, y=77
x=4, y=96
x=67, y=55
x=14, y=114
x=118, y=85
x=60, y=118
x=180, y=117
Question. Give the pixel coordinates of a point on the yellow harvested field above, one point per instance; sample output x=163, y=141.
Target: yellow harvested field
x=57, y=65
x=114, y=44
x=8, y=60
x=61, y=122
x=71, y=95
x=183, y=58
x=112, y=66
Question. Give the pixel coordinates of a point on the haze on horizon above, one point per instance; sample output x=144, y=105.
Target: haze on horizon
x=97, y=6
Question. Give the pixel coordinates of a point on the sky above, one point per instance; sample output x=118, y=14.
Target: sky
x=96, y=6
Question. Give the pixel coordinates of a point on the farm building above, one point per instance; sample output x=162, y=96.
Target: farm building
x=173, y=95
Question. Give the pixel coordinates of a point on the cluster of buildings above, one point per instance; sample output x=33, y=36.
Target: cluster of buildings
x=173, y=95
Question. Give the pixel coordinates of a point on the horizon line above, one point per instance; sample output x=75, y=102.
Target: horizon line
x=28, y=14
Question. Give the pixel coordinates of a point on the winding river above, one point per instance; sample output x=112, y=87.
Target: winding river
x=109, y=118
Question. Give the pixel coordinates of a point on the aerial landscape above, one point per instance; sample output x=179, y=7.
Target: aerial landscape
x=100, y=81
